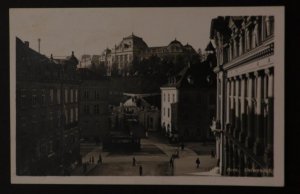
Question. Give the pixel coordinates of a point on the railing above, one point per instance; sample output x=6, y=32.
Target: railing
x=257, y=160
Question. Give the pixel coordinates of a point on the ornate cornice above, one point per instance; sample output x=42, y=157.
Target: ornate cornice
x=264, y=50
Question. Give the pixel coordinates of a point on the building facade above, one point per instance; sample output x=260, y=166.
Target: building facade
x=169, y=96
x=93, y=106
x=187, y=107
x=47, y=133
x=245, y=94
x=133, y=48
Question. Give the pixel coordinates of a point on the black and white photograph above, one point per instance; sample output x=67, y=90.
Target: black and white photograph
x=153, y=95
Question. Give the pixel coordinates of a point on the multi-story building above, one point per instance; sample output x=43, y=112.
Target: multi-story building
x=121, y=57
x=245, y=94
x=85, y=61
x=169, y=95
x=89, y=61
x=146, y=112
x=187, y=106
x=93, y=106
x=47, y=133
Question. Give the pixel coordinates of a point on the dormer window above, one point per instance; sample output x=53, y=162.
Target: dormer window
x=190, y=80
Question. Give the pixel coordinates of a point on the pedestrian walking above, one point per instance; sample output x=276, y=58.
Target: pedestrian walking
x=133, y=161
x=141, y=170
x=212, y=153
x=198, y=162
x=100, y=159
x=171, y=162
x=84, y=167
x=182, y=146
x=92, y=159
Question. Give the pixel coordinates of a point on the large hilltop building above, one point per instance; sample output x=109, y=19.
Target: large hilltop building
x=132, y=47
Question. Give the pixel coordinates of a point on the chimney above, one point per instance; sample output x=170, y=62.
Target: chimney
x=26, y=43
x=39, y=40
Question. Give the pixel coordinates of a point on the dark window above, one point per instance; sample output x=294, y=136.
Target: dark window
x=86, y=109
x=96, y=109
x=33, y=100
x=97, y=95
x=86, y=95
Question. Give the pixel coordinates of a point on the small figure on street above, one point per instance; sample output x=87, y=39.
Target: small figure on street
x=133, y=161
x=92, y=159
x=100, y=159
x=141, y=170
x=171, y=162
x=198, y=162
x=182, y=146
x=212, y=153
x=177, y=153
x=84, y=167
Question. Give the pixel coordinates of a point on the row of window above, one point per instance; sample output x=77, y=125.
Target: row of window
x=164, y=112
x=173, y=97
x=71, y=94
x=87, y=95
x=251, y=38
x=87, y=109
x=120, y=58
x=43, y=97
x=71, y=115
x=264, y=87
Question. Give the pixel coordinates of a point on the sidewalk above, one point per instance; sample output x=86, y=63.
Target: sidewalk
x=187, y=165
x=78, y=171
x=95, y=152
x=213, y=172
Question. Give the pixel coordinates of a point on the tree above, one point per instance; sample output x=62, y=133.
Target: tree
x=114, y=70
x=100, y=69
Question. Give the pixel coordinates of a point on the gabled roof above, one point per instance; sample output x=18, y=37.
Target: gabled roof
x=175, y=42
x=189, y=48
x=32, y=54
x=209, y=47
x=217, y=24
x=66, y=59
x=136, y=102
x=42, y=67
x=176, y=81
x=132, y=36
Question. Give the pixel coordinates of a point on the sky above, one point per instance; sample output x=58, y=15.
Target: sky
x=90, y=30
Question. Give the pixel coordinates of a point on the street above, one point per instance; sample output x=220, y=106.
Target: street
x=154, y=158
